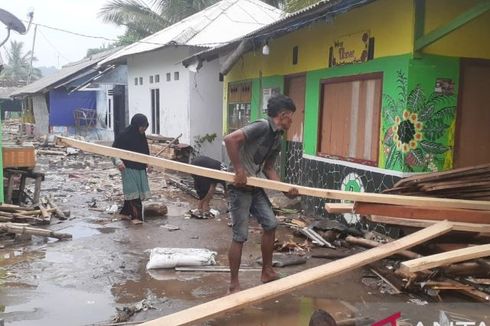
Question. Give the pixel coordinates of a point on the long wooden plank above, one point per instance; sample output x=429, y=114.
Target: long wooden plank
x=288, y=284
x=276, y=185
x=457, y=226
x=428, y=213
x=445, y=258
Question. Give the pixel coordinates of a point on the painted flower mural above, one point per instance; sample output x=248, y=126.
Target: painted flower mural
x=416, y=128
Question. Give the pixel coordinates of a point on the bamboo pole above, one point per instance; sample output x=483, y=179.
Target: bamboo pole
x=276, y=185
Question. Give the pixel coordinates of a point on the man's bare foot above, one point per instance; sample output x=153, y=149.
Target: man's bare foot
x=136, y=221
x=234, y=288
x=269, y=275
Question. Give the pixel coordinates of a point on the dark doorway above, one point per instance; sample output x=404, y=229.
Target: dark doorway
x=473, y=119
x=119, y=108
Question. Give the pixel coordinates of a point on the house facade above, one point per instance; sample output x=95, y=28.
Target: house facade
x=176, y=100
x=384, y=89
x=180, y=102
x=78, y=99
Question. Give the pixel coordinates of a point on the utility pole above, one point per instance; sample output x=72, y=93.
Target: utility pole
x=32, y=56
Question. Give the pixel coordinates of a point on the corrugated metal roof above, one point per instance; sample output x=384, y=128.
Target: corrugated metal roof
x=215, y=25
x=6, y=91
x=68, y=71
x=301, y=17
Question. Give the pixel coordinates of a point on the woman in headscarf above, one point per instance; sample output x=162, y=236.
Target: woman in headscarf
x=134, y=176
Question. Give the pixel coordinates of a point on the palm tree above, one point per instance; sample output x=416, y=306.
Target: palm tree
x=145, y=17
x=142, y=18
x=18, y=65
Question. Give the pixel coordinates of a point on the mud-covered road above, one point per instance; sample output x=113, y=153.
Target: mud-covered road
x=83, y=281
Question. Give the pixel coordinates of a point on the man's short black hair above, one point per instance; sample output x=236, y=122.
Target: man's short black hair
x=322, y=318
x=278, y=104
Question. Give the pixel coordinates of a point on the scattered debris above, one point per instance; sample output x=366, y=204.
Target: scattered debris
x=283, y=260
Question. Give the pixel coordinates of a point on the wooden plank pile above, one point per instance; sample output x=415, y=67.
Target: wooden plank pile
x=465, y=183
x=17, y=220
x=459, y=265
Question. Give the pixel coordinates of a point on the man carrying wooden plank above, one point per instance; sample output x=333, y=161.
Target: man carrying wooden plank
x=253, y=150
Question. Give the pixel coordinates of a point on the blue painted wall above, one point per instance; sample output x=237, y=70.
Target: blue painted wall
x=62, y=105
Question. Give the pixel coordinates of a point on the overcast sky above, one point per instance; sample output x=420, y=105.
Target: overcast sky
x=55, y=48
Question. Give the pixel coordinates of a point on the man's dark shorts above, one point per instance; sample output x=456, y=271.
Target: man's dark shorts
x=202, y=184
x=244, y=202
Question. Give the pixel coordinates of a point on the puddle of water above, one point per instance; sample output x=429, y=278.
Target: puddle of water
x=56, y=306
x=12, y=257
x=58, y=257
x=80, y=230
x=107, y=230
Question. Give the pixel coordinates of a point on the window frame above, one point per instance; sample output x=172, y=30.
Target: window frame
x=376, y=142
x=243, y=87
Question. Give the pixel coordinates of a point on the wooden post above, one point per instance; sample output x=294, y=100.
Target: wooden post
x=287, y=284
x=37, y=189
x=10, y=188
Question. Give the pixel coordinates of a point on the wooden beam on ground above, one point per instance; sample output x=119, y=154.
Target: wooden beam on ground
x=458, y=226
x=287, y=284
x=445, y=258
x=339, y=208
x=12, y=228
x=276, y=185
x=424, y=213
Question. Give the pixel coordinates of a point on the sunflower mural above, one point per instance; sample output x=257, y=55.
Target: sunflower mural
x=415, y=135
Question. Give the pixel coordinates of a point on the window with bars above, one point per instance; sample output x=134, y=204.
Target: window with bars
x=239, y=99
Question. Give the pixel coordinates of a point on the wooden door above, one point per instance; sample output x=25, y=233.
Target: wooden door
x=295, y=89
x=473, y=121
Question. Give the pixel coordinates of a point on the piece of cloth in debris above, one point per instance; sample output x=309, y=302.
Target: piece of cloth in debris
x=202, y=184
x=131, y=139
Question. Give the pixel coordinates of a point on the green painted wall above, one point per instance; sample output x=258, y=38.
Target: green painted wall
x=257, y=85
x=417, y=123
x=388, y=66
x=1, y=164
x=418, y=135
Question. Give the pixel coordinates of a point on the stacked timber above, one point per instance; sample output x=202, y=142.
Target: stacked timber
x=17, y=220
x=471, y=183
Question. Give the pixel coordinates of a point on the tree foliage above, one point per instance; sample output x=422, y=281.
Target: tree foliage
x=18, y=66
x=145, y=17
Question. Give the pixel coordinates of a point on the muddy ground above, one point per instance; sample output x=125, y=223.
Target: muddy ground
x=83, y=281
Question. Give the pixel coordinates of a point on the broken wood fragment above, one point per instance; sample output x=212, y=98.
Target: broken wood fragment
x=59, y=213
x=339, y=208
x=468, y=290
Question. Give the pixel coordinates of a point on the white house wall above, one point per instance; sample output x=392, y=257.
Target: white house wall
x=174, y=94
x=41, y=115
x=206, y=107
